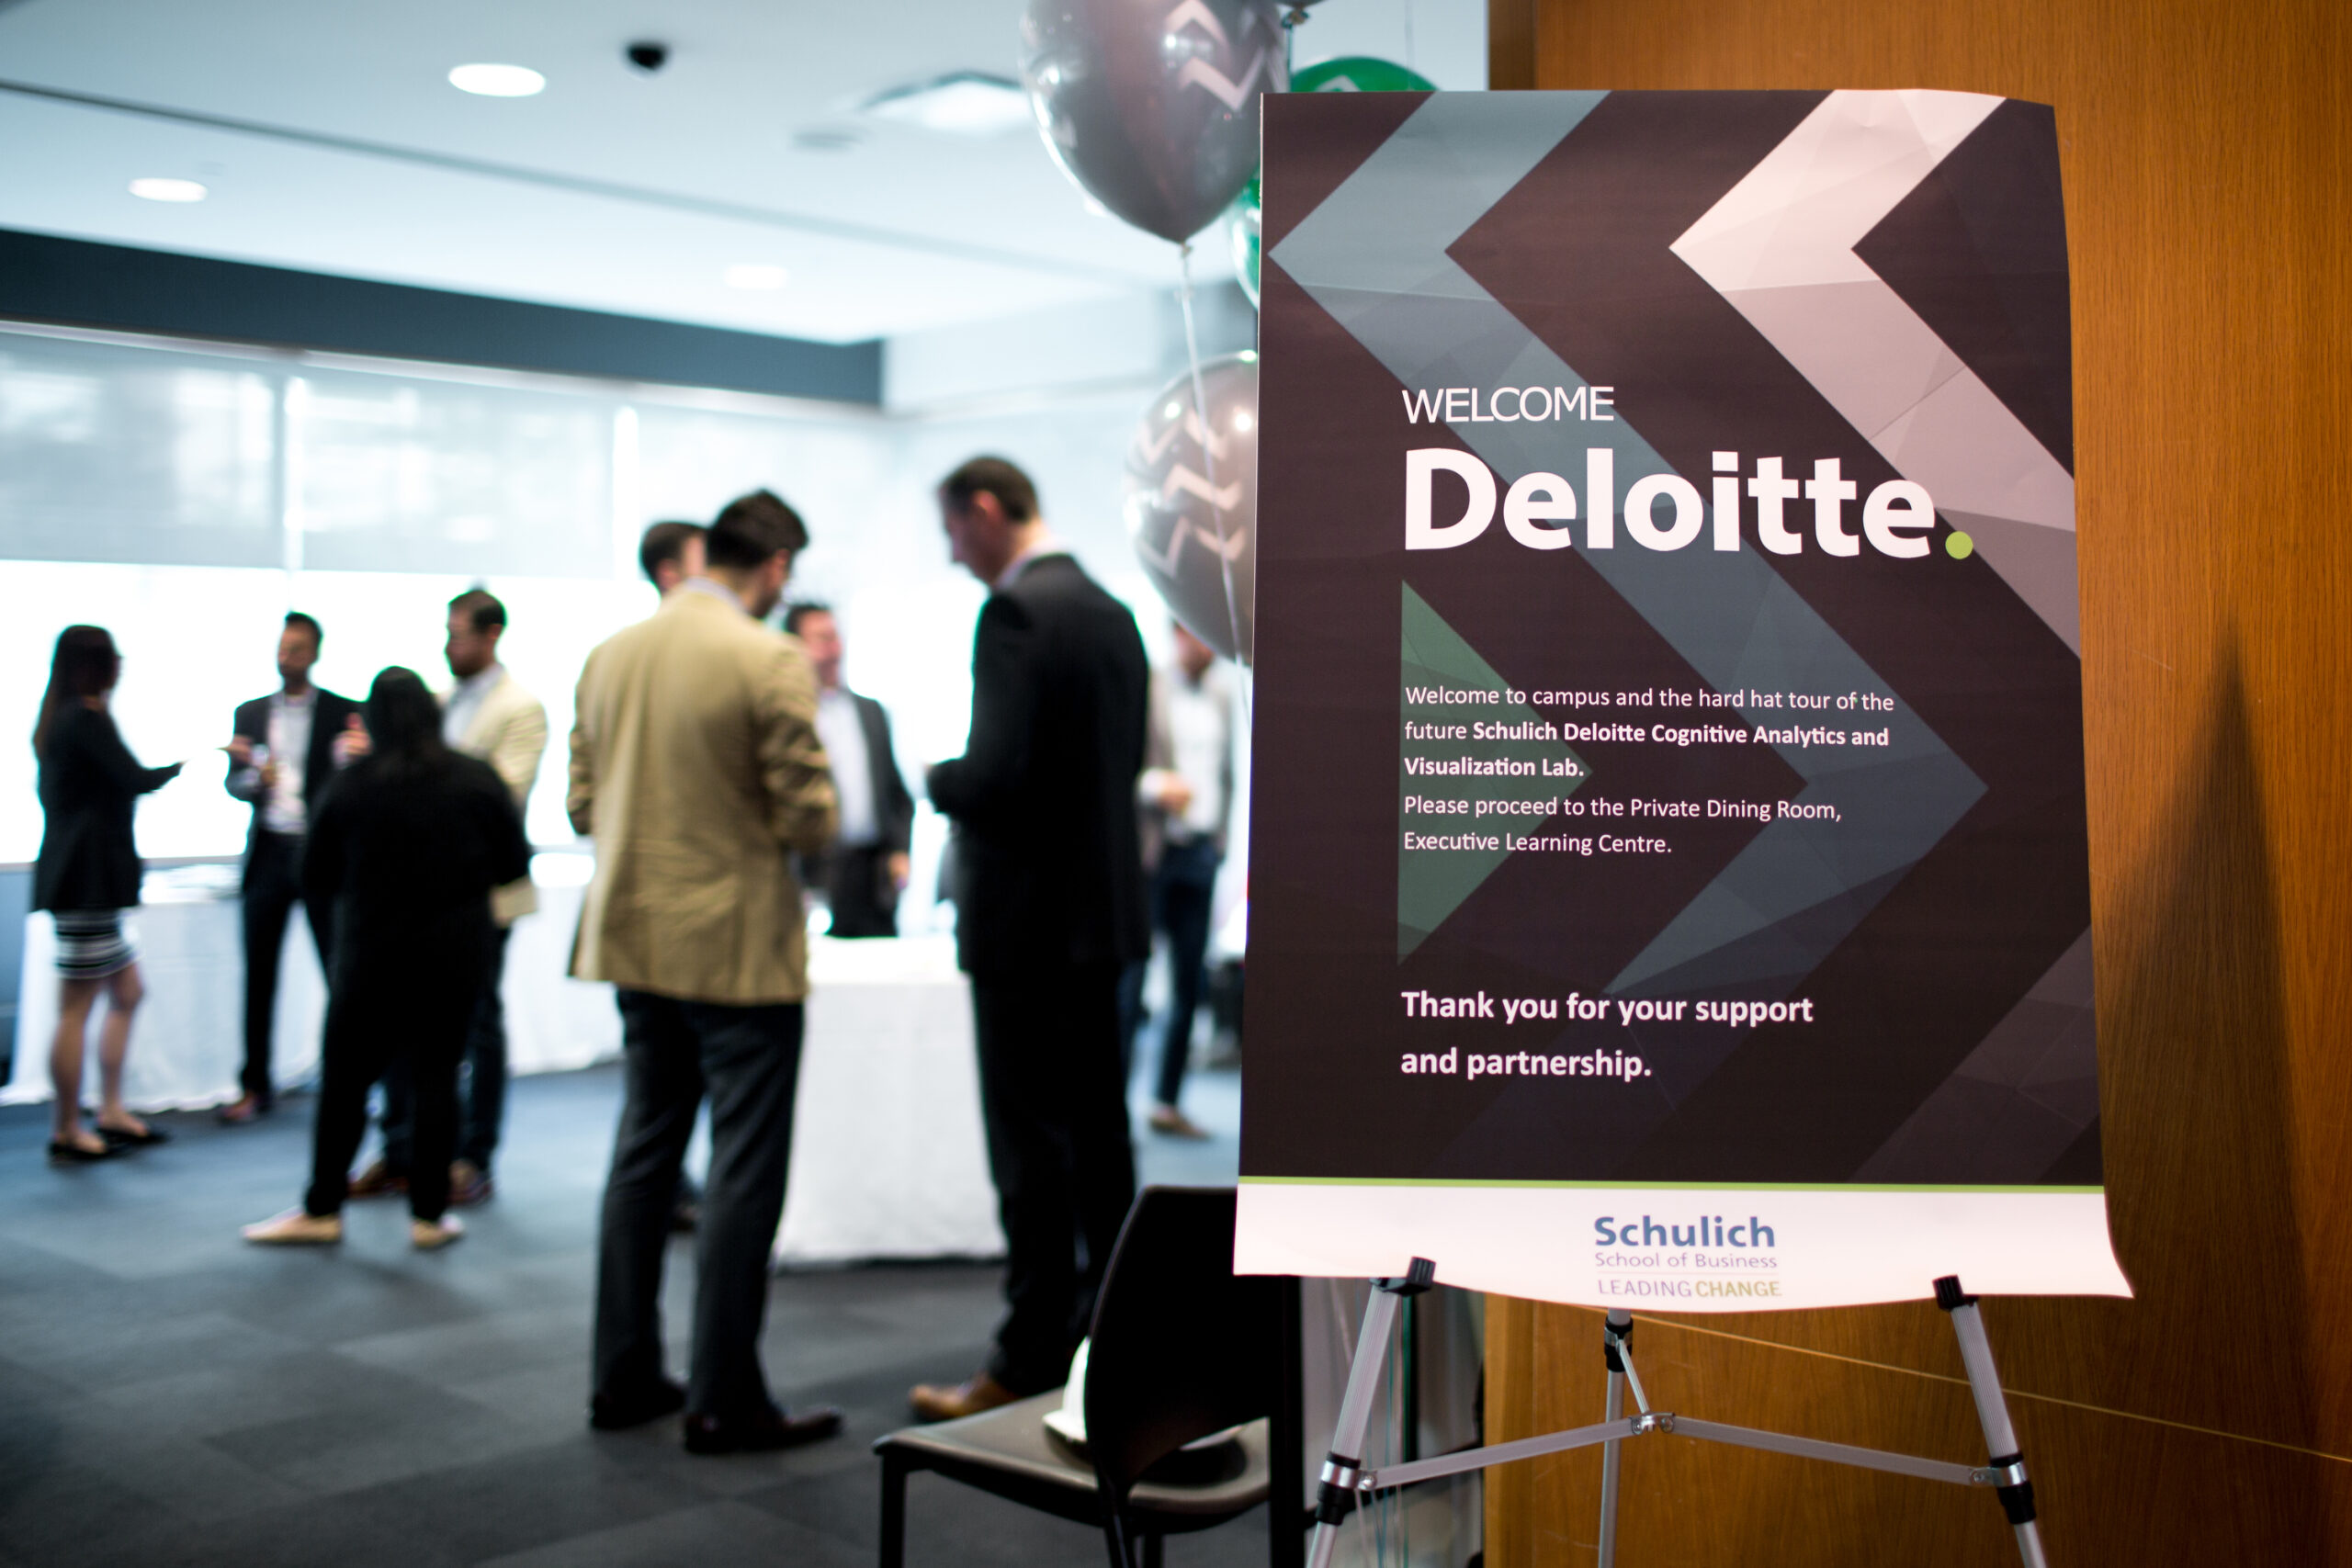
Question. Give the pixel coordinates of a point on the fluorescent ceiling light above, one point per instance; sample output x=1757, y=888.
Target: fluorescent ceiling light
x=963, y=103
x=497, y=81
x=755, y=274
x=168, y=190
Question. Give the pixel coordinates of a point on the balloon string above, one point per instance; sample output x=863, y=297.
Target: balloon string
x=1209, y=461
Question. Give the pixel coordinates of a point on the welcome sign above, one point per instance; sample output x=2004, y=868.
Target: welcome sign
x=1668, y=860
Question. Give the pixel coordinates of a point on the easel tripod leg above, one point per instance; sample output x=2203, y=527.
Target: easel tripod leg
x=1336, y=1494
x=1619, y=1329
x=2016, y=1492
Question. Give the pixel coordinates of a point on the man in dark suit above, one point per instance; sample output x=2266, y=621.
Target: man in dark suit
x=866, y=869
x=287, y=747
x=1049, y=909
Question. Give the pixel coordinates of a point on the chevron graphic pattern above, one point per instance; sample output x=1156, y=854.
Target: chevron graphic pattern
x=1781, y=246
x=1866, y=285
x=1432, y=884
x=1191, y=498
x=1151, y=442
x=1802, y=884
x=1224, y=89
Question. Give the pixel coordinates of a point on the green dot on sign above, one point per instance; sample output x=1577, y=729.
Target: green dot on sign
x=1958, y=546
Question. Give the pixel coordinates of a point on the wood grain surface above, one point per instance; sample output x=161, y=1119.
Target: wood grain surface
x=2208, y=200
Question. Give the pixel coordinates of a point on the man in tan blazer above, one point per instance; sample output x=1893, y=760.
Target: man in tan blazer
x=697, y=767
x=487, y=715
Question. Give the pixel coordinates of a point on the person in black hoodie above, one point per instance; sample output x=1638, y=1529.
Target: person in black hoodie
x=88, y=874
x=405, y=847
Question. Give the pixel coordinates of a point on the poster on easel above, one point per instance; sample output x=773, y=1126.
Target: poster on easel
x=1669, y=875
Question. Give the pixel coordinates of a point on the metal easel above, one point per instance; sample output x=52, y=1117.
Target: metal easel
x=1348, y=1483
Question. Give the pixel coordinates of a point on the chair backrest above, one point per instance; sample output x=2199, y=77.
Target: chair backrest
x=1182, y=1346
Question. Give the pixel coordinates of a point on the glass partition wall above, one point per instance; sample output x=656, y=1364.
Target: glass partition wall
x=186, y=495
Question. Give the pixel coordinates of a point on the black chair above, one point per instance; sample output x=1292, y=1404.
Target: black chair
x=1182, y=1348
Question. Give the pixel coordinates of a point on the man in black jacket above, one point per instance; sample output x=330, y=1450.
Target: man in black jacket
x=866, y=870
x=1049, y=909
x=287, y=747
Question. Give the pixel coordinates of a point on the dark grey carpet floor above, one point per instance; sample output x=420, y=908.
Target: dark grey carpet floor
x=169, y=1395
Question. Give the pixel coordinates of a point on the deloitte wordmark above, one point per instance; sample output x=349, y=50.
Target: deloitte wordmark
x=1538, y=508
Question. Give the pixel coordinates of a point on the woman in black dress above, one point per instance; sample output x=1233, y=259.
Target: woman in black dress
x=405, y=846
x=86, y=875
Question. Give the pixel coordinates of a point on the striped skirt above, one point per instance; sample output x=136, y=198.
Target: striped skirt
x=90, y=943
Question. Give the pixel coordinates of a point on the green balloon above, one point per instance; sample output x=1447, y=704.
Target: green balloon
x=1248, y=223
x=1360, y=73
x=1352, y=74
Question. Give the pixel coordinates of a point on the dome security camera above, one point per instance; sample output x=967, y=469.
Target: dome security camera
x=648, y=56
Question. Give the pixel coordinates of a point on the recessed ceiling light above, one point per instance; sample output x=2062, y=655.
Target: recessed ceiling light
x=168, y=190
x=497, y=81
x=963, y=103
x=755, y=274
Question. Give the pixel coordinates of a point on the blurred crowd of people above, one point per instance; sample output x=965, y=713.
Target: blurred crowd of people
x=720, y=765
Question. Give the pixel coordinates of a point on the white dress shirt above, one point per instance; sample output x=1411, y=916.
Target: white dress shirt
x=1200, y=738
x=289, y=747
x=844, y=737
x=1046, y=544
x=466, y=700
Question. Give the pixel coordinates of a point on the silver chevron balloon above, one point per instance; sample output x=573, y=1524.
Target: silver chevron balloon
x=1151, y=106
x=1192, y=503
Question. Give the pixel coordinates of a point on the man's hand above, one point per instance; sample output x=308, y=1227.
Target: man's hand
x=353, y=743
x=240, y=751
x=1174, y=796
x=900, y=868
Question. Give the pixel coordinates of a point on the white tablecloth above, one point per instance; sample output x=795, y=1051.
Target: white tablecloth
x=889, y=1157
x=189, y=1041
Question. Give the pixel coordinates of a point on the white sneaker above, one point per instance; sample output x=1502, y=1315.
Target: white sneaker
x=297, y=1227
x=431, y=1236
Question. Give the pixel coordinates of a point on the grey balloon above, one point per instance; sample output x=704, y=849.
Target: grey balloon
x=1192, y=510
x=1151, y=106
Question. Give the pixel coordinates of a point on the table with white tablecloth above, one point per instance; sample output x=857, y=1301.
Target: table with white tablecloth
x=889, y=1157
x=190, y=1039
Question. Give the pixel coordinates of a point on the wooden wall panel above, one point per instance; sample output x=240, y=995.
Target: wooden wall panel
x=1510, y=43
x=2209, y=193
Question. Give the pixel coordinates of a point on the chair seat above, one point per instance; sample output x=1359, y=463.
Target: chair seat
x=1011, y=1451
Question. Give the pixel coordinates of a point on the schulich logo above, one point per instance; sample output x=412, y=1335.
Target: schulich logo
x=1708, y=1230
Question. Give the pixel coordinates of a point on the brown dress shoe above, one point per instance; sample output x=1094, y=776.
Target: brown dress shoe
x=379, y=1181
x=1168, y=1118
x=469, y=1184
x=937, y=1401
